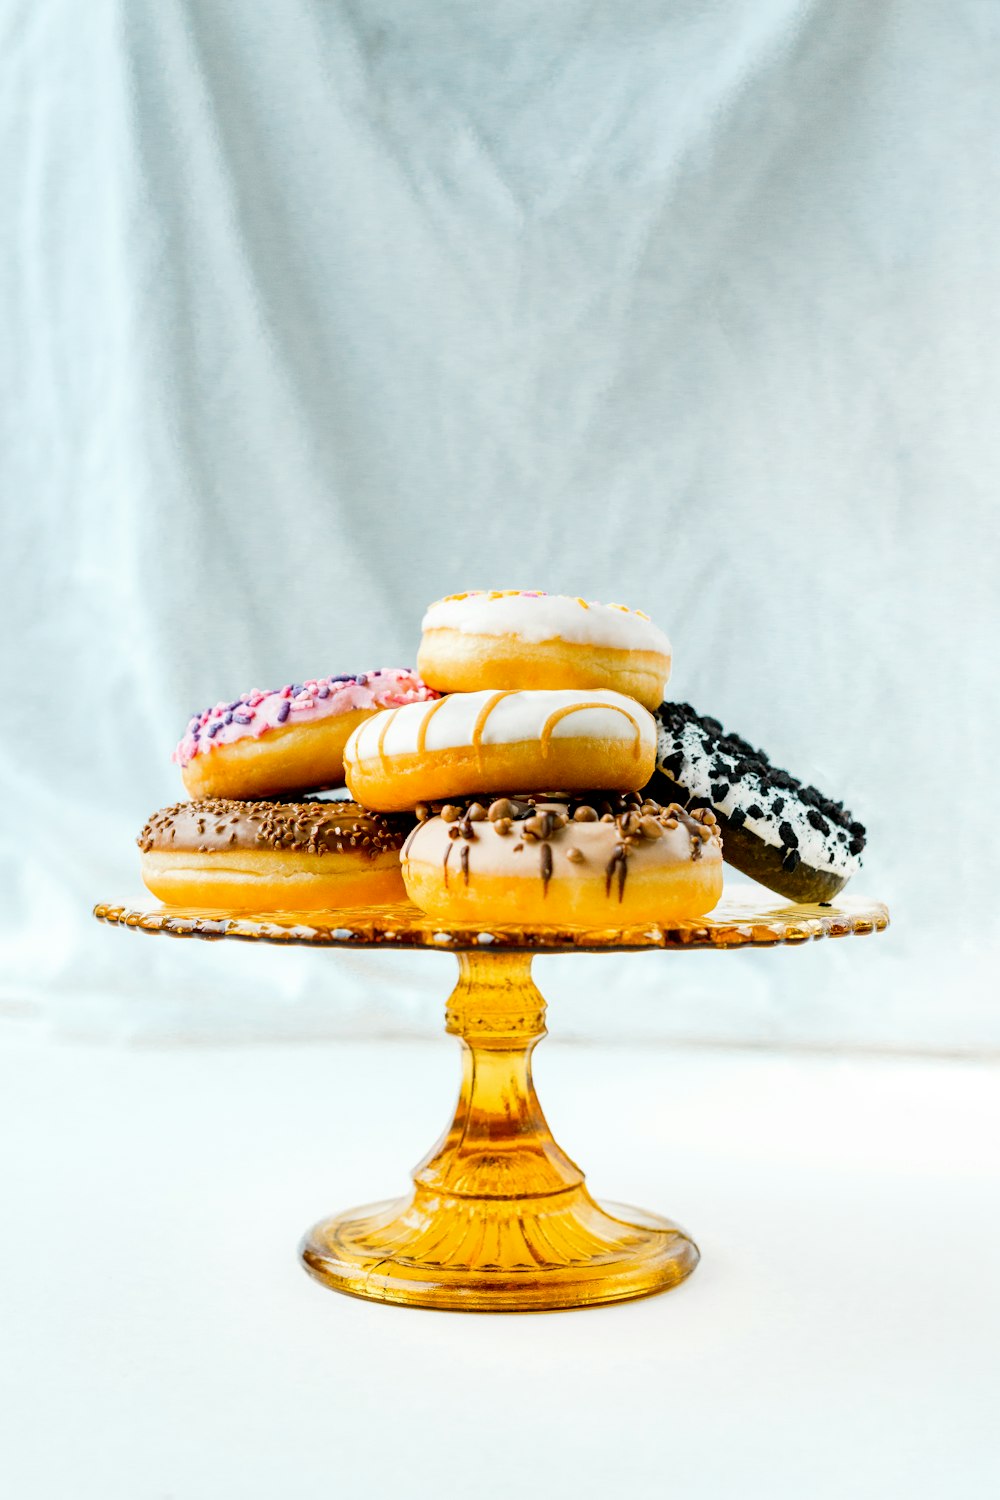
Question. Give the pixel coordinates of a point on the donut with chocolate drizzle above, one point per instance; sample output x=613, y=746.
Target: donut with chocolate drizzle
x=604, y=859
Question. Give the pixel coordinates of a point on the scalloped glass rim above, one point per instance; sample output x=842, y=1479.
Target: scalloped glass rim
x=740, y=920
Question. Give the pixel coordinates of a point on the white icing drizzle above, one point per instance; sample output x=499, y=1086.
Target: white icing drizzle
x=547, y=617
x=514, y=718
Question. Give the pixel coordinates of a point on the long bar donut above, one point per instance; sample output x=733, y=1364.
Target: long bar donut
x=475, y=742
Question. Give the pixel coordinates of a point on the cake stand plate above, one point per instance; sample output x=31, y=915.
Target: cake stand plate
x=499, y=1218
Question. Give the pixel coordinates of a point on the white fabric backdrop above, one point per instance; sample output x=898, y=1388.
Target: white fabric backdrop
x=314, y=312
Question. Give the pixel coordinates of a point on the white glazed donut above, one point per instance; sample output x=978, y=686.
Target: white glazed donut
x=509, y=639
x=541, y=862
x=481, y=742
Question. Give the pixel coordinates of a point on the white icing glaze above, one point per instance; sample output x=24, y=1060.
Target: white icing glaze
x=515, y=718
x=822, y=851
x=547, y=617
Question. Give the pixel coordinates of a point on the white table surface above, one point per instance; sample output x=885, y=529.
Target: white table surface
x=840, y=1339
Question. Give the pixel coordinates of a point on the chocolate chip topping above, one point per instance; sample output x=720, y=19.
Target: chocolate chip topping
x=213, y=823
x=540, y=819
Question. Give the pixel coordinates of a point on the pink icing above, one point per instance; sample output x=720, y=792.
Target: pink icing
x=253, y=714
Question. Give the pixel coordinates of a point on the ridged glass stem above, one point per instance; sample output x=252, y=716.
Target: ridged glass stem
x=499, y=1144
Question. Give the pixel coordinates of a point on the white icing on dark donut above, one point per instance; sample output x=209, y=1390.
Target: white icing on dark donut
x=723, y=771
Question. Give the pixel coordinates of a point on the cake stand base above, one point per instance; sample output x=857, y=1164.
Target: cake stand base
x=499, y=1219
x=482, y=1255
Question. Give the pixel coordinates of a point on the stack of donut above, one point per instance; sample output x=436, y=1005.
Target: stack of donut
x=526, y=777
x=531, y=773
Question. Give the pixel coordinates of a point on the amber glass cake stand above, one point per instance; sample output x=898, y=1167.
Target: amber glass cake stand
x=499, y=1218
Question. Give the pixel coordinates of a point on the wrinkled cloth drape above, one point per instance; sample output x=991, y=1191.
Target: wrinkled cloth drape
x=312, y=313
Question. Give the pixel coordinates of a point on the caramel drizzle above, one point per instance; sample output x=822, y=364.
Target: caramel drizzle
x=476, y=737
x=422, y=731
x=447, y=856
x=464, y=861
x=382, y=734
x=572, y=708
x=483, y=715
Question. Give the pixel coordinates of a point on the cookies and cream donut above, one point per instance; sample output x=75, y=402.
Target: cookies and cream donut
x=788, y=836
x=262, y=744
x=509, y=639
x=540, y=861
x=467, y=742
x=272, y=856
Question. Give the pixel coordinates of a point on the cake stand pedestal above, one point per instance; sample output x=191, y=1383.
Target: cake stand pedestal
x=499, y=1218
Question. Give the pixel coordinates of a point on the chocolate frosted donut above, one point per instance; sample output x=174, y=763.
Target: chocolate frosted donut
x=556, y=860
x=788, y=836
x=268, y=856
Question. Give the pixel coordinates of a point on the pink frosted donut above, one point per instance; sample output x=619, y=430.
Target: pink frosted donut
x=263, y=744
